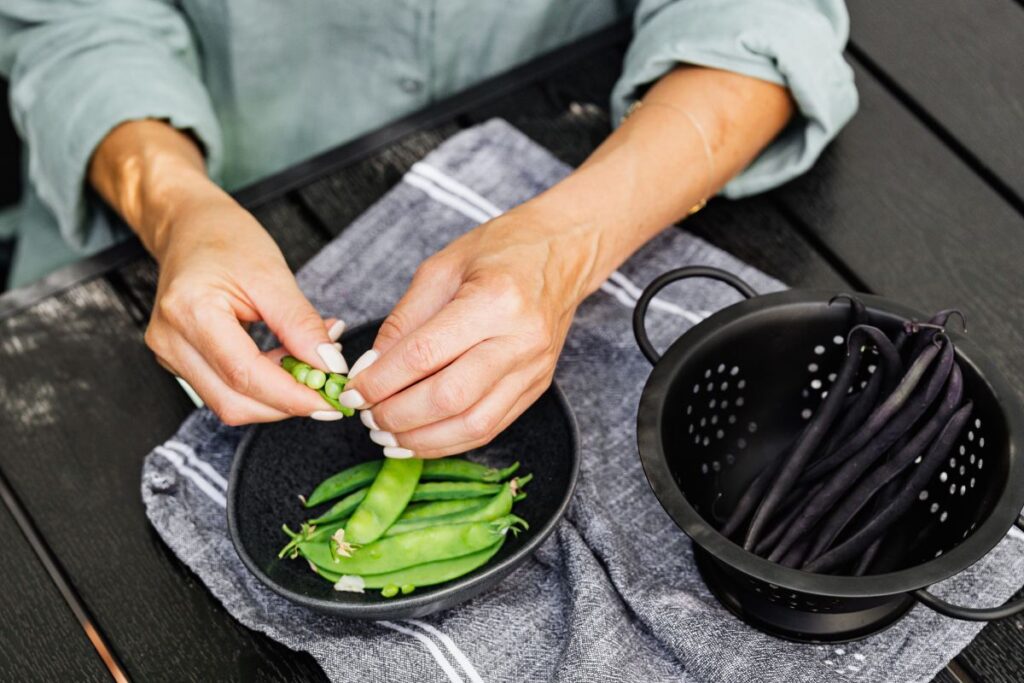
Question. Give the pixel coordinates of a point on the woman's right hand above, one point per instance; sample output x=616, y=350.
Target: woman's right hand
x=219, y=271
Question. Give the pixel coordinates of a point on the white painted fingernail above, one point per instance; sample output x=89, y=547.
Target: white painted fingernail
x=365, y=361
x=337, y=345
x=336, y=330
x=366, y=417
x=397, y=452
x=352, y=399
x=332, y=358
x=382, y=438
x=326, y=415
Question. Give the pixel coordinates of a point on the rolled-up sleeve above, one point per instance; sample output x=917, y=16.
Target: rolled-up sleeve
x=78, y=69
x=795, y=43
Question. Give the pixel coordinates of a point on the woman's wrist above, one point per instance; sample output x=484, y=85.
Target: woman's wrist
x=150, y=173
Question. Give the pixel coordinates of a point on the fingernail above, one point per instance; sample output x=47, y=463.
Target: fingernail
x=336, y=330
x=382, y=438
x=337, y=345
x=326, y=415
x=397, y=452
x=352, y=399
x=365, y=361
x=366, y=417
x=332, y=358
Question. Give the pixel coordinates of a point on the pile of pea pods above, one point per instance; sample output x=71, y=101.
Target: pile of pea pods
x=397, y=525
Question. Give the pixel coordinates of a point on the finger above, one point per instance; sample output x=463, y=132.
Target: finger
x=231, y=407
x=449, y=392
x=454, y=330
x=432, y=287
x=237, y=361
x=476, y=426
x=302, y=331
x=335, y=328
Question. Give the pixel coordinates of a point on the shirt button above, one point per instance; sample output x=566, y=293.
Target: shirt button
x=411, y=85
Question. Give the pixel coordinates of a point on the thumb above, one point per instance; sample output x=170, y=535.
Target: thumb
x=299, y=328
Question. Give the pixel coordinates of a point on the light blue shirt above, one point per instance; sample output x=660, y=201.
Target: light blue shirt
x=264, y=84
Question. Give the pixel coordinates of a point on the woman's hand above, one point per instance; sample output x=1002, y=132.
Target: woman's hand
x=219, y=271
x=475, y=339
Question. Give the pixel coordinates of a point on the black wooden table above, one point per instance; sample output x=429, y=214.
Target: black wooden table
x=920, y=198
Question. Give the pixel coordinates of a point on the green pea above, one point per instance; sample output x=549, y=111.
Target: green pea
x=433, y=573
x=414, y=548
x=300, y=372
x=346, y=481
x=408, y=588
x=389, y=591
x=315, y=378
x=388, y=495
x=460, y=469
x=333, y=389
x=342, y=509
x=289, y=363
x=498, y=506
x=441, y=508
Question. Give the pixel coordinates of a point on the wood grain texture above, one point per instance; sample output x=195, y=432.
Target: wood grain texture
x=962, y=62
x=74, y=438
x=45, y=626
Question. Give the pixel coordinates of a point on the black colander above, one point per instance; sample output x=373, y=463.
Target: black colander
x=738, y=387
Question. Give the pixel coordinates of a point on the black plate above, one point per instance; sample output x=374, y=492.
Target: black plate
x=274, y=463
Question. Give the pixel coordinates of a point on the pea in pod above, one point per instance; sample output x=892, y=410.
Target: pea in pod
x=460, y=469
x=329, y=386
x=384, y=502
x=407, y=579
x=414, y=548
x=498, y=506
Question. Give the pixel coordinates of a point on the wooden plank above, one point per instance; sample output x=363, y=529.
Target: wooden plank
x=44, y=642
x=74, y=431
x=962, y=65
x=915, y=223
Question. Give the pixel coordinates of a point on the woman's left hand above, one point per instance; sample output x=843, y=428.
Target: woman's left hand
x=475, y=339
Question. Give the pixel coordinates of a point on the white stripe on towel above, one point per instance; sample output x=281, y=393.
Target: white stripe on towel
x=458, y=654
x=450, y=192
x=433, y=649
x=178, y=461
x=195, y=461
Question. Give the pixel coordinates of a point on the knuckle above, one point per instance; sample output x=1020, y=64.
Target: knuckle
x=229, y=413
x=508, y=293
x=391, y=329
x=420, y=354
x=432, y=269
x=479, y=425
x=174, y=307
x=449, y=397
x=237, y=375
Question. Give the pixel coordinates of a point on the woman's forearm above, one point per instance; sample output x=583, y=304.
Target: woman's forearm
x=146, y=171
x=654, y=168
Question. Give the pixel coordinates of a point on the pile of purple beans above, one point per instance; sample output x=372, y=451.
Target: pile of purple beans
x=825, y=503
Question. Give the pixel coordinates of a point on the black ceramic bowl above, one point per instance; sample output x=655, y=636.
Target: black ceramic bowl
x=277, y=462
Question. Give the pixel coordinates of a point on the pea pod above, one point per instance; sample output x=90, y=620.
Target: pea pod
x=440, y=508
x=343, y=482
x=414, y=548
x=428, y=574
x=329, y=386
x=498, y=506
x=342, y=509
x=460, y=469
x=452, y=490
x=384, y=501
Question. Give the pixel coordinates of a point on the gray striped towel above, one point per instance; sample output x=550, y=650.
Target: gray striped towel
x=614, y=595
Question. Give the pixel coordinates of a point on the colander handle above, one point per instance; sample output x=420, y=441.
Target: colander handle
x=659, y=283
x=972, y=613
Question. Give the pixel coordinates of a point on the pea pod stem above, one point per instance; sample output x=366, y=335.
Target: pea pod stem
x=922, y=474
x=854, y=501
x=850, y=471
x=808, y=442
